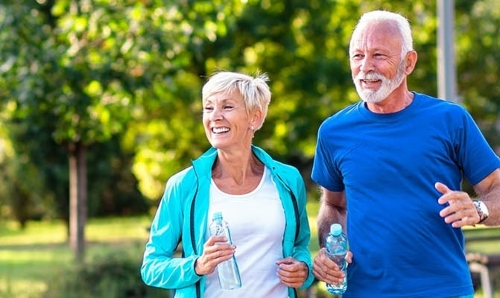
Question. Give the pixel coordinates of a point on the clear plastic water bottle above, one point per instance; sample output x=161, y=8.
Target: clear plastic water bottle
x=228, y=272
x=336, y=247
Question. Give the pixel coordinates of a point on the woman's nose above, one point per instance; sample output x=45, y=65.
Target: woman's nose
x=216, y=114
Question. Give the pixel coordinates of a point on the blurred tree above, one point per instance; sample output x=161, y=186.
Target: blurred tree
x=478, y=70
x=19, y=187
x=73, y=69
x=25, y=194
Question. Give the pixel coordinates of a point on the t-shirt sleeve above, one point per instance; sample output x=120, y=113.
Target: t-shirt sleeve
x=324, y=170
x=476, y=156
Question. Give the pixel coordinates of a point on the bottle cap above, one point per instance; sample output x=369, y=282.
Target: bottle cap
x=217, y=215
x=335, y=229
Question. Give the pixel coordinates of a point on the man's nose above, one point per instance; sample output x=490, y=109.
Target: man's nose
x=366, y=65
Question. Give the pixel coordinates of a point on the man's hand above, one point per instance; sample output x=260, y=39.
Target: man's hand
x=327, y=270
x=459, y=208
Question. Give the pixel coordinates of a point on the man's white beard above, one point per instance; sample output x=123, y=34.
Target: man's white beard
x=388, y=85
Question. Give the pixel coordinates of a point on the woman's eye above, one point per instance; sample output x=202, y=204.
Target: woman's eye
x=207, y=109
x=228, y=107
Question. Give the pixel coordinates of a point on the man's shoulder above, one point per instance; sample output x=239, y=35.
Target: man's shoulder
x=344, y=112
x=434, y=100
x=438, y=105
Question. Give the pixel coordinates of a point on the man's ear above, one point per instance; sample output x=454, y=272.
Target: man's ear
x=410, y=61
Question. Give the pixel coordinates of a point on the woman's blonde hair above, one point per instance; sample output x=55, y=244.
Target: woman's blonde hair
x=254, y=90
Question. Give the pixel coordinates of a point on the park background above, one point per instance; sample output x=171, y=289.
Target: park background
x=100, y=103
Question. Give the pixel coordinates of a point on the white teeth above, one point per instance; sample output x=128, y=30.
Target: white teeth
x=219, y=129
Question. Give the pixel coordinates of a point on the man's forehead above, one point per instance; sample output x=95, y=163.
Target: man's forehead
x=375, y=34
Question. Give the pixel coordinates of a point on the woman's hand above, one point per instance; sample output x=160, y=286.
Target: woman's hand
x=216, y=250
x=291, y=272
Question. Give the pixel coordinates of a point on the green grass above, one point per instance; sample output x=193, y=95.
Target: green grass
x=30, y=258
x=486, y=246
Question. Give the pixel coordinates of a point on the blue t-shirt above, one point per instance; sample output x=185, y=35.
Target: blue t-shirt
x=388, y=165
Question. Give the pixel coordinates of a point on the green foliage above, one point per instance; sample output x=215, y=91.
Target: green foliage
x=132, y=71
x=478, y=69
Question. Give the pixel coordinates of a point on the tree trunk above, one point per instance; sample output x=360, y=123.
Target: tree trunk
x=20, y=204
x=78, y=199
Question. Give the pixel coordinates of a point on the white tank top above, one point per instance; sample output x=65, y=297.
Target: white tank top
x=257, y=223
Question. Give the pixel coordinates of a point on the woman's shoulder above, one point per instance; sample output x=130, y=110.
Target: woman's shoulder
x=200, y=167
x=276, y=166
x=182, y=178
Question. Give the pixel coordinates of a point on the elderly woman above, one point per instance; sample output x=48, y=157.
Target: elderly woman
x=263, y=200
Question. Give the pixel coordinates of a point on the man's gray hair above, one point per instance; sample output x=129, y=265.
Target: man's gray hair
x=402, y=23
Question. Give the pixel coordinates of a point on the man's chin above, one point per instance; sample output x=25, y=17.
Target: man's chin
x=371, y=97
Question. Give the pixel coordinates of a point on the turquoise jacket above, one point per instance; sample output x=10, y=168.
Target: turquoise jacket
x=182, y=216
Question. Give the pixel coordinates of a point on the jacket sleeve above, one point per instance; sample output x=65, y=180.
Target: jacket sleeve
x=161, y=266
x=301, y=250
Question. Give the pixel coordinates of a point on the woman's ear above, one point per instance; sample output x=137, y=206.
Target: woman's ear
x=256, y=119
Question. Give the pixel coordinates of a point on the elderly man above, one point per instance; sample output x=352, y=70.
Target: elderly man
x=390, y=169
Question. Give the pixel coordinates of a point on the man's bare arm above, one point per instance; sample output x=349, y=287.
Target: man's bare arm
x=332, y=209
x=488, y=191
